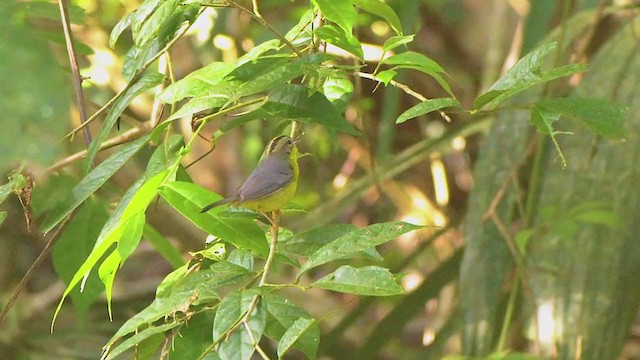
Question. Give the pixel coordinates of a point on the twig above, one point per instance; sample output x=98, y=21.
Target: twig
x=130, y=83
x=115, y=141
x=404, y=88
x=254, y=342
x=73, y=62
x=265, y=23
x=29, y=274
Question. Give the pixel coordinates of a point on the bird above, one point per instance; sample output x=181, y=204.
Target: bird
x=272, y=183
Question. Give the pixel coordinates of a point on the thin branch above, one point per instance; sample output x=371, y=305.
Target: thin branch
x=132, y=134
x=254, y=342
x=73, y=62
x=29, y=274
x=404, y=88
x=265, y=23
x=132, y=82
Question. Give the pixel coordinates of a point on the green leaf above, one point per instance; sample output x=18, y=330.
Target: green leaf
x=3, y=217
x=282, y=315
x=233, y=307
x=197, y=83
x=151, y=28
x=426, y=107
x=367, y=281
x=379, y=8
x=92, y=182
x=199, y=104
x=189, y=199
x=140, y=337
x=73, y=246
x=543, y=120
x=357, y=240
x=112, y=232
x=386, y=76
x=601, y=116
x=395, y=41
x=142, y=14
x=163, y=246
x=195, y=337
x=340, y=12
x=293, y=334
x=107, y=273
x=338, y=89
x=297, y=102
x=257, y=51
x=180, y=289
x=527, y=72
x=338, y=37
x=146, y=82
x=241, y=258
x=417, y=61
x=120, y=27
x=522, y=239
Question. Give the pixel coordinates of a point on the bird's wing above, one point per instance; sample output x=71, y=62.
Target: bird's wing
x=271, y=175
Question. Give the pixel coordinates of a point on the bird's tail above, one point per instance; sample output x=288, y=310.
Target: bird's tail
x=217, y=203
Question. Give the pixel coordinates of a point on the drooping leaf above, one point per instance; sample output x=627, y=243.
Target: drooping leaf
x=338, y=37
x=92, y=182
x=379, y=8
x=367, y=281
x=527, y=72
x=189, y=199
x=140, y=337
x=355, y=241
x=340, y=12
x=417, y=61
x=543, y=120
x=146, y=82
x=395, y=41
x=113, y=230
x=601, y=116
x=120, y=27
x=73, y=246
x=294, y=333
x=426, y=107
x=282, y=315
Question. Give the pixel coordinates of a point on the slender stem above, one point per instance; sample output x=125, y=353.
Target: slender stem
x=29, y=274
x=73, y=62
x=272, y=247
x=132, y=134
x=255, y=8
x=266, y=24
x=404, y=88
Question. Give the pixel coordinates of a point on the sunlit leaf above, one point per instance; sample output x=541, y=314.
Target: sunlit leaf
x=139, y=337
x=120, y=27
x=379, y=8
x=340, y=12
x=367, y=281
x=395, y=41
x=199, y=104
x=338, y=37
x=426, y=107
